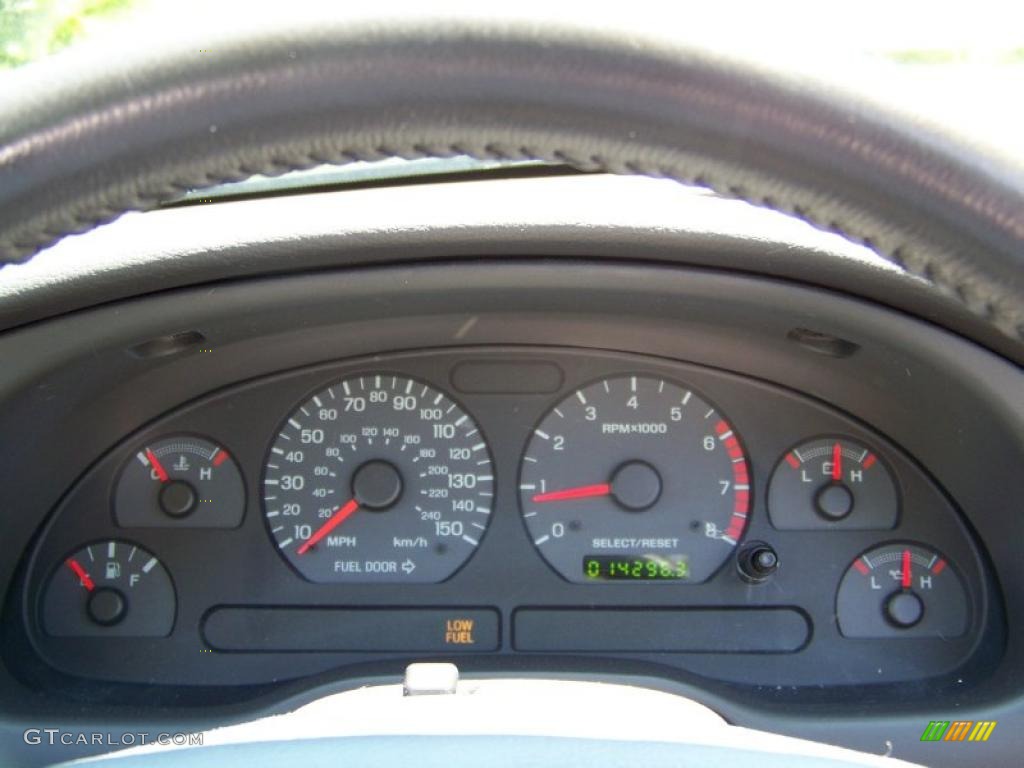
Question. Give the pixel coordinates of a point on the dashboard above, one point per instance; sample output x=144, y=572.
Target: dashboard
x=613, y=449
x=514, y=501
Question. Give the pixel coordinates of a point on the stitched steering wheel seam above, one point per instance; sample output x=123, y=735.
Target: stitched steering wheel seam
x=956, y=225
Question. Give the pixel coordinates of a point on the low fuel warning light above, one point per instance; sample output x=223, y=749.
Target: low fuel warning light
x=901, y=590
x=832, y=482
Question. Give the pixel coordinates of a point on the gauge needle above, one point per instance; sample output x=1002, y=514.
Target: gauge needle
x=837, y=462
x=580, y=492
x=83, y=577
x=154, y=462
x=906, y=569
x=341, y=514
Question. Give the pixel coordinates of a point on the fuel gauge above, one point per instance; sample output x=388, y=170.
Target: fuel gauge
x=180, y=481
x=109, y=588
x=901, y=590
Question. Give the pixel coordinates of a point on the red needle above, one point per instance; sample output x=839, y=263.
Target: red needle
x=154, y=462
x=341, y=514
x=582, y=492
x=837, y=462
x=83, y=577
x=906, y=569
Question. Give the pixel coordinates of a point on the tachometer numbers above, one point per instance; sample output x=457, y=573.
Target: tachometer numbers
x=109, y=589
x=832, y=482
x=901, y=590
x=378, y=478
x=634, y=478
x=180, y=481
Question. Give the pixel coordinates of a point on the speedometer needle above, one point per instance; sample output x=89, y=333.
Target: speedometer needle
x=581, y=492
x=341, y=514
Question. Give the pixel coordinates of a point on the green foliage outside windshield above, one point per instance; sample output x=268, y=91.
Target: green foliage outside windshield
x=31, y=29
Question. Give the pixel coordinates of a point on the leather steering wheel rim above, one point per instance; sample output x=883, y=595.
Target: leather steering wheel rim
x=84, y=140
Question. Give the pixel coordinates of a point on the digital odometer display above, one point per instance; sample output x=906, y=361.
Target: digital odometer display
x=378, y=478
x=641, y=567
x=630, y=471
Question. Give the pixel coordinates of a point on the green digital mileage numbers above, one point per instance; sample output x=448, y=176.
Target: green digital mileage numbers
x=636, y=567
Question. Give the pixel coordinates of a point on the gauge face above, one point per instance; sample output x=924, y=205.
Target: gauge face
x=180, y=481
x=109, y=589
x=378, y=478
x=901, y=590
x=634, y=478
x=832, y=482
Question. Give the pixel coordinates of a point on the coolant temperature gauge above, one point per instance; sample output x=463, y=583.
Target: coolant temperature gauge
x=832, y=482
x=180, y=481
x=901, y=590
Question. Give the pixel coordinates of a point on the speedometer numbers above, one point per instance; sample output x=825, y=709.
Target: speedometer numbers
x=378, y=478
x=634, y=478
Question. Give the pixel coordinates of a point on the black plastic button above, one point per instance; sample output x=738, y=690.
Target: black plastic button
x=756, y=562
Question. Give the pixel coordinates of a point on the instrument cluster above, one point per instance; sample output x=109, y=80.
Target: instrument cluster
x=500, y=505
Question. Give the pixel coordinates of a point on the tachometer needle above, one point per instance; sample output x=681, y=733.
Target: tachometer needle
x=341, y=514
x=83, y=578
x=837, y=462
x=907, y=576
x=154, y=462
x=581, y=492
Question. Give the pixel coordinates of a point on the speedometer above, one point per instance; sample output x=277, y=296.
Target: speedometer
x=378, y=478
x=634, y=478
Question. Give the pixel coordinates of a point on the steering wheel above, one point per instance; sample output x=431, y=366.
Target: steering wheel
x=84, y=141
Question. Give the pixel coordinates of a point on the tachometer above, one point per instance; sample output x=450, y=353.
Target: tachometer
x=634, y=478
x=378, y=478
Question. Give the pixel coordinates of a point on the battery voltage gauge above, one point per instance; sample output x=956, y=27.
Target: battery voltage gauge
x=832, y=482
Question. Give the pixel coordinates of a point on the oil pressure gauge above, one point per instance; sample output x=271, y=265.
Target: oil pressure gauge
x=901, y=590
